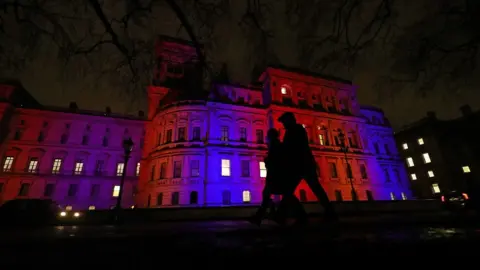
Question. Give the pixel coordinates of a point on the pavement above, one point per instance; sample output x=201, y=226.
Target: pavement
x=220, y=242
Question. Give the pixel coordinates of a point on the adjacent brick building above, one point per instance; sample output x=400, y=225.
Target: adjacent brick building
x=441, y=155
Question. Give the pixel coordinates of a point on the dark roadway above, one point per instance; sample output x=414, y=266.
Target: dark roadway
x=221, y=241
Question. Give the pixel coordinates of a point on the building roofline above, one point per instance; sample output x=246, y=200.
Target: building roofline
x=245, y=86
x=310, y=73
x=56, y=109
x=372, y=108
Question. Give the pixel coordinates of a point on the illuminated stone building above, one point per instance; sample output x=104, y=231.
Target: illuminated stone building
x=72, y=156
x=195, y=148
x=208, y=149
x=441, y=155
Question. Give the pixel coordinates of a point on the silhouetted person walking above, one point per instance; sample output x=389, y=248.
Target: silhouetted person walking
x=275, y=165
x=302, y=165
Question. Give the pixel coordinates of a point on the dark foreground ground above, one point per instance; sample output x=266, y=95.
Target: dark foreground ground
x=235, y=243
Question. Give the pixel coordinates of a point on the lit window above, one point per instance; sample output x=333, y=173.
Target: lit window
x=420, y=141
x=7, y=164
x=413, y=176
x=466, y=169
x=321, y=139
x=78, y=168
x=426, y=158
x=405, y=146
x=435, y=188
x=120, y=167
x=68, y=208
x=430, y=174
x=33, y=165
x=283, y=89
x=246, y=196
x=116, y=191
x=137, y=172
x=410, y=162
x=57, y=164
x=404, y=197
x=392, y=196
x=91, y=207
x=225, y=167
x=263, y=170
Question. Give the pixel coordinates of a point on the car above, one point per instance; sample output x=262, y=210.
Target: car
x=34, y=212
x=455, y=200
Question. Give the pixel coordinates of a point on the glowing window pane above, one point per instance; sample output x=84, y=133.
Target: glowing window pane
x=246, y=196
x=120, y=167
x=57, y=164
x=116, y=191
x=410, y=162
x=225, y=167
x=7, y=165
x=78, y=168
x=426, y=158
x=263, y=169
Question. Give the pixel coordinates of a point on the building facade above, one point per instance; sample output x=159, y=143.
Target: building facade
x=195, y=148
x=72, y=156
x=209, y=150
x=440, y=155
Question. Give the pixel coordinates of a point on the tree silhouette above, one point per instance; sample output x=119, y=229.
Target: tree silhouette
x=421, y=45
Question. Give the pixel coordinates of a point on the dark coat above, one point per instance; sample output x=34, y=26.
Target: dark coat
x=275, y=163
x=298, y=154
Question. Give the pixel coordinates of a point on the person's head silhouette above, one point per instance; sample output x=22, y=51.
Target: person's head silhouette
x=273, y=135
x=288, y=120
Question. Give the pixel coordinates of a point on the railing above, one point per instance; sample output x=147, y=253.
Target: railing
x=196, y=143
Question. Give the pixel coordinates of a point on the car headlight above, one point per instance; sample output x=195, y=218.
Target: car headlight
x=76, y=214
x=63, y=214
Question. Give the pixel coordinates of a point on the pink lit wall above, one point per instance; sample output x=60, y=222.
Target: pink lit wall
x=73, y=137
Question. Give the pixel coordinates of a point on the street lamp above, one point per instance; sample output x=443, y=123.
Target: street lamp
x=344, y=149
x=127, y=148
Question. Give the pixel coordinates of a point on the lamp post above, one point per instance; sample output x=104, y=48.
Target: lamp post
x=127, y=148
x=344, y=149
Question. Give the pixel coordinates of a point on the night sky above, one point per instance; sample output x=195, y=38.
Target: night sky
x=407, y=56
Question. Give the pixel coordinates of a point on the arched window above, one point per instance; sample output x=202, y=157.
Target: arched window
x=246, y=196
x=285, y=90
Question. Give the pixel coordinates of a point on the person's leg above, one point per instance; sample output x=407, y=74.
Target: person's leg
x=290, y=202
x=261, y=211
x=317, y=189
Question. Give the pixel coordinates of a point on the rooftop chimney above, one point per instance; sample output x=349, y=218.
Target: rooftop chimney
x=466, y=110
x=431, y=115
x=73, y=106
x=141, y=113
